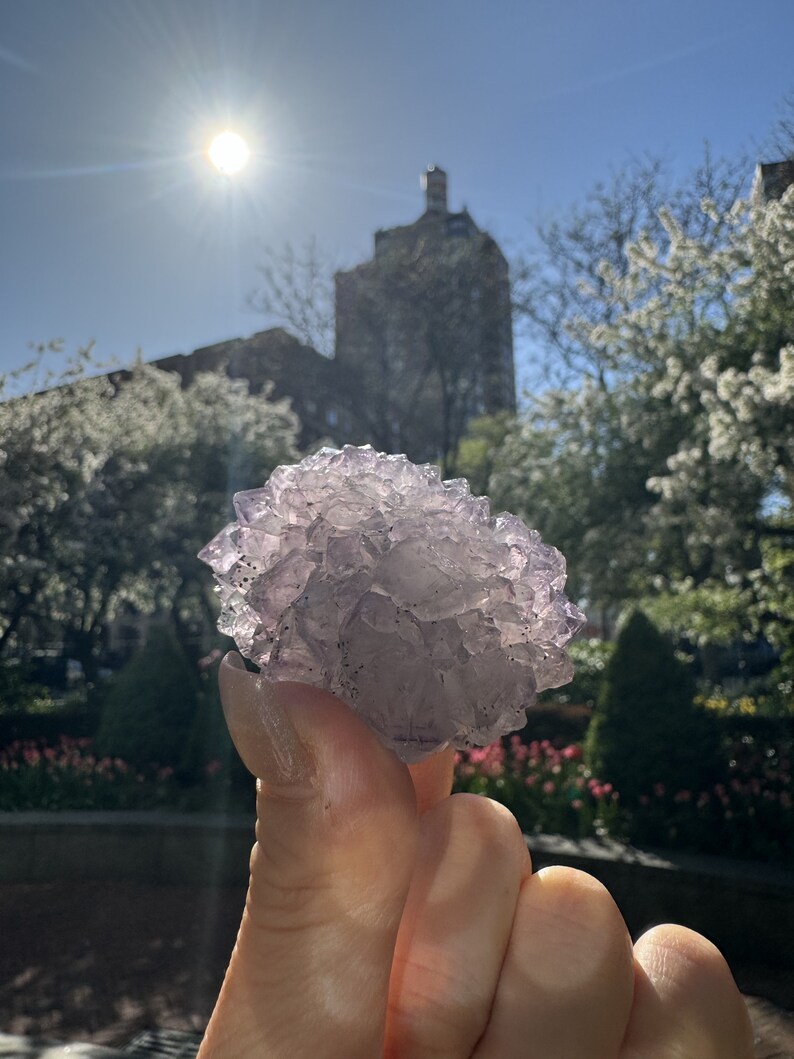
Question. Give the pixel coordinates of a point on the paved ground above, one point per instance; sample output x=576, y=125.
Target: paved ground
x=100, y=962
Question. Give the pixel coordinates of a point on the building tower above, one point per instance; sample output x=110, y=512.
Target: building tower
x=434, y=185
x=424, y=338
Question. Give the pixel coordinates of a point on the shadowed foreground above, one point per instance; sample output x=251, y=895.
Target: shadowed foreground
x=101, y=962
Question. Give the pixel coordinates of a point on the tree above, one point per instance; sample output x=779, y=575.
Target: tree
x=297, y=290
x=64, y=465
x=109, y=486
x=666, y=470
x=715, y=327
x=575, y=466
x=780, y=143
x=478, y=448
x=567, y=287
x=227, y=440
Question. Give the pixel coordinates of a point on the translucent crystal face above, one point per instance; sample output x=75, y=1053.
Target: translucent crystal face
x=367, y=575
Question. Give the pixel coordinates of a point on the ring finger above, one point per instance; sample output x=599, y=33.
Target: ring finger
x=566, y=985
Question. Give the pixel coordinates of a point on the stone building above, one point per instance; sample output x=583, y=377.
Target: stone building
x=426, y=329
x=277, y=359
x=771, y=180
x=423, y=341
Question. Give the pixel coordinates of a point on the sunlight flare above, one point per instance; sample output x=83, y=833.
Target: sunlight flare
x=229, y=152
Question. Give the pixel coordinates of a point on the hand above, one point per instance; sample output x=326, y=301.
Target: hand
x=388, y=920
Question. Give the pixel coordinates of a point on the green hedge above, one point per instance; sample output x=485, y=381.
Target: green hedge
x=764, y=729
x=49, y=727
x=558, y=722
x=151, y=705
x=647, y=730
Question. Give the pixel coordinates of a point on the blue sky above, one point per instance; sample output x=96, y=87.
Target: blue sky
x=114, y=228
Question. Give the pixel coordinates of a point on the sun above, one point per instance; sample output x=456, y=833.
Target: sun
x=229, y=152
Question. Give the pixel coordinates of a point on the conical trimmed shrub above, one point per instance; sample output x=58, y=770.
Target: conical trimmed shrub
x=149, y=710
x=646, y=729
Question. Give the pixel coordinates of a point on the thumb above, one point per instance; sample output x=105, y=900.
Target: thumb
x=335, y=848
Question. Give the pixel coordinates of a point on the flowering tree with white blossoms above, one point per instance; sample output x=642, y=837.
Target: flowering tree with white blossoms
x=109, y=485
x=713, y=333
x=669, y=475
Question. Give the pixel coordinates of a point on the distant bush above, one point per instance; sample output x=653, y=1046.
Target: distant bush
x=647, y=730
x=559, y=722
x=19, y=694
x=76, y=724
x=774, y=701
x=590, y=658
x=749, y=812
x=209, y=745
x=772, y=731
x=151, y=705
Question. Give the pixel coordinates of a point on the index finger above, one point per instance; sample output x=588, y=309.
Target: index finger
x=433, y=778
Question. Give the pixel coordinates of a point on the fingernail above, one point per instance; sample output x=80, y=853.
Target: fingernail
x=260, y=726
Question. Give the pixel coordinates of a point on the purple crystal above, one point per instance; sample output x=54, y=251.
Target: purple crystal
x=367, y=575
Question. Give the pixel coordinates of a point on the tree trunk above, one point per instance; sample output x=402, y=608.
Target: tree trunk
x=17, y=614
x=82, y=644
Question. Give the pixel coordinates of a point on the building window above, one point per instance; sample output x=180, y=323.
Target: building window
x=331, y=417
x=458, y=225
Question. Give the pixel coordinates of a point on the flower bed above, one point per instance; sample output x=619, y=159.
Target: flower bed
x=548, y=788
x=68, y=775
x=749, y=813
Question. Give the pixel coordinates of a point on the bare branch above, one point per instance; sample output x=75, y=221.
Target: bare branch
x=297, y=291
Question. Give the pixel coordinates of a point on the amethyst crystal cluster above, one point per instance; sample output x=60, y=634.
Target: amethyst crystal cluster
x=369, y=576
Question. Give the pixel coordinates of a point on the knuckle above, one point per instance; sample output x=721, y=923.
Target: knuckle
x=490, y=826
x=587, y=919
x=695, y=986
x=582, y=898
x=687, y=954
x=491, y=817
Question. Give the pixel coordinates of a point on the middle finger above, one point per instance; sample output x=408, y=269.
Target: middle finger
x=455, y=928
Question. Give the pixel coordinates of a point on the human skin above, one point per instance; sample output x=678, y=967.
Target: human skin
x=388, y=919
